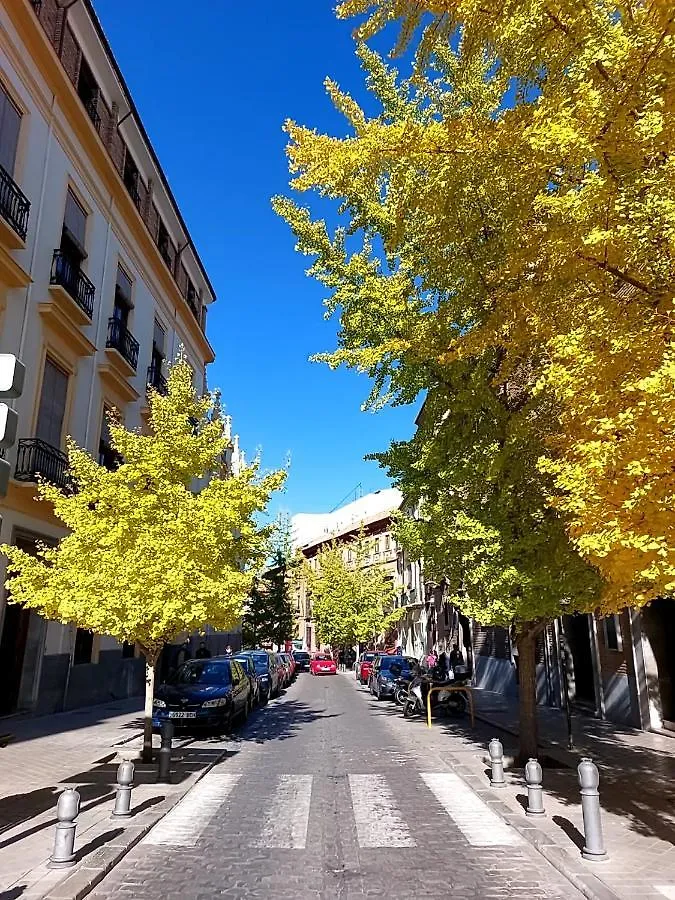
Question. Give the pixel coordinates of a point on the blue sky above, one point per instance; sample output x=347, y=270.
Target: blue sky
x=214, y=82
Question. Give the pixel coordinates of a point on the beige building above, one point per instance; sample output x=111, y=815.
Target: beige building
x=100, y=285
x=311, y=532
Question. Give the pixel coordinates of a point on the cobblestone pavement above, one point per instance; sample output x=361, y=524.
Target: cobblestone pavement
x=320, y=799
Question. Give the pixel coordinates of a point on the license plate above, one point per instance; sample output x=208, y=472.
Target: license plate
x=177, y=714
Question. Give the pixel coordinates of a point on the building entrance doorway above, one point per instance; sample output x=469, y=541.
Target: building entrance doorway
x=12, y=651
x=659, y=625
x=580, y=660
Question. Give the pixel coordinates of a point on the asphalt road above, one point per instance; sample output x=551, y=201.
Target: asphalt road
x=320, y=798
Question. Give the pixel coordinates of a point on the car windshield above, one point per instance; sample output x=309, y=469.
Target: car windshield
x=368, y=657
x=245, y=661
x=261, y=663
x=388, y=662
x=324, y=659
x=301, y=656
x=202, y=672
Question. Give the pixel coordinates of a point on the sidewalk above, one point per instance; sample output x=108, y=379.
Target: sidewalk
x=81, y=749
x=637, y=792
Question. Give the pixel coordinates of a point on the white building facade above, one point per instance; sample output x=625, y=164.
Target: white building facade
x=100, y=286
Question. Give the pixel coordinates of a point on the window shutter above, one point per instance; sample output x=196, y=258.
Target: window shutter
x=52, y=404
x=75, y=219
x=10, y=123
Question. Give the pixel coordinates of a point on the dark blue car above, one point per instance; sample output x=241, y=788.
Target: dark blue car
x=204, y=693
x=267, y=673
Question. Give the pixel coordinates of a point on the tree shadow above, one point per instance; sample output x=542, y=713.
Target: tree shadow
x=22, y=728
x=93, y=796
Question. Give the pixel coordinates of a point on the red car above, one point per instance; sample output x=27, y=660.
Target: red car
x=364, y=665
x=322, y=664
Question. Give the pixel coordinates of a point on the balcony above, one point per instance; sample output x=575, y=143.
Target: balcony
x=157, y=381
x=91, y=107
x=121, y=339
x=38, y=459
x=14, y=209
x=67, y=274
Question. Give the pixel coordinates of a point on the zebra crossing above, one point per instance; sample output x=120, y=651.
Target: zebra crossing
x=379, y=823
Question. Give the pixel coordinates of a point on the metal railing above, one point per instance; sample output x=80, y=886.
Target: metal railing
x=36, y=457
x=14, y=206
x=37, y=6
x=67, y=273
x=91, y=106
x=157, y=381
x=121, y=339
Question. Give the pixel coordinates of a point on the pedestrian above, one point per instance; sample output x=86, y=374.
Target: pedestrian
x=341, y=659
x=442, y=665
x=228, y=651
x=456, y=658
x=183, y=653
x=431, y=659
x=203, y=652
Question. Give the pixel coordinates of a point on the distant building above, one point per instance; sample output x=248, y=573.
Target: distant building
x=311, y=532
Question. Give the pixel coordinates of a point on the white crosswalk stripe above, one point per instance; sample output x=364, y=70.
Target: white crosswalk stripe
x=480, y=825
x=668, y=890
x=184, y=824
x=378, y=823
x=287, y=816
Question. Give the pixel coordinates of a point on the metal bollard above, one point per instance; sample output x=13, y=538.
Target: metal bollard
x=125, y=782
x=535, y=792
x=589, y=779
x=67, y=810
x=497, y=763
x=164, y=760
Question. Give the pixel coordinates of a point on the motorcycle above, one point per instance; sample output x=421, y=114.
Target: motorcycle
x=401, y=689
x=450, y=703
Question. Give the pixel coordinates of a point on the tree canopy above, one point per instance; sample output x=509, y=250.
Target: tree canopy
x=268, y=611
x=517, y=194
x=352, y=598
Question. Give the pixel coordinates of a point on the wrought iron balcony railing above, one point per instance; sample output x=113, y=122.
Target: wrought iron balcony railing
x=38, y=458
x=157, y=381
x=14, y=206
x=121, y=339
x=91, y=106
x=67, y=273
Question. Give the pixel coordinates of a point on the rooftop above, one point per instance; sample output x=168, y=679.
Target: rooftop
x=308, y=529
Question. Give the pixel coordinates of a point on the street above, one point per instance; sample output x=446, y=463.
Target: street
x=321, y=799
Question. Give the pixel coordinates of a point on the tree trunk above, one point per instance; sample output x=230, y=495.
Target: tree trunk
x=527, y=694
x=150, y=663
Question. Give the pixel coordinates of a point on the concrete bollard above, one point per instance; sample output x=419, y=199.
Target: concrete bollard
x=589, y=779
x=497, y=763
x=67, y=810
x=164, y=760
x=125, y=782
x=535, y=792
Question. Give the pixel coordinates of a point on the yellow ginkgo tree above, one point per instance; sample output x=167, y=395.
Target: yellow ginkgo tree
x=147, y=555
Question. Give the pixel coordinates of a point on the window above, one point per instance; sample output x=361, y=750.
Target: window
x=163, y=241
x=387, y=542
x=87, y=90
x=74, y=230
x=613, y=638
x=84, y=647
x=122, y=296
x=10, y=123
x=350, y=555
x=128, y=650
x=52, y=407
x=106, y=455
x=158, y=341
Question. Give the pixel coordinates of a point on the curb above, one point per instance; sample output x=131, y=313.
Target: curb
x=86, y=877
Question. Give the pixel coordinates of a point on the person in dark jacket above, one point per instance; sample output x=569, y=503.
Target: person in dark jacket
x=203, y=652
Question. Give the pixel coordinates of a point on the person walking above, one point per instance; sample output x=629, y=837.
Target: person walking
x=183, y=653
x=341, y=659
x=228, y=651
x=431, y=659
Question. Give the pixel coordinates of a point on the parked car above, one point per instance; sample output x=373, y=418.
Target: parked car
x=288, y=665
x=322, y=664
x=249, y=667
x=384, y=672
x=364, y=665
x=268, y=673
x=204, y=693
x=280, y=667
x=302, y=660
